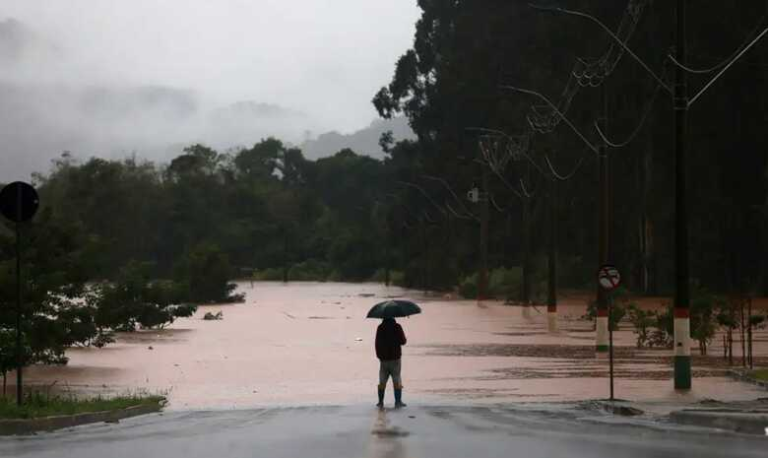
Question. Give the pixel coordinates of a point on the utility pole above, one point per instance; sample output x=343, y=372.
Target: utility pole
x=286, y=265
x=19, y=308
x=552, y=261
x=682, y=336
x=601, y=335
x=527, y=247
x=526, y=290
x=387, y=241
x=482, y=277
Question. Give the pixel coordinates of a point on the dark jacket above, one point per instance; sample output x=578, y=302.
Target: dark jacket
x=389, y=338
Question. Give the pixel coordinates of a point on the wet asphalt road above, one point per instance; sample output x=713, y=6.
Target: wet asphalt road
x=361, y=431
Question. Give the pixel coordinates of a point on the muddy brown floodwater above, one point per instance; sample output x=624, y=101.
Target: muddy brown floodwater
x=309, y=343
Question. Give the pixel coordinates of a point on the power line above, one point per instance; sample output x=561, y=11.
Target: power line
x=730, y=58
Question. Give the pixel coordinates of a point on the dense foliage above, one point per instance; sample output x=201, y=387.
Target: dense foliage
x=450, y=82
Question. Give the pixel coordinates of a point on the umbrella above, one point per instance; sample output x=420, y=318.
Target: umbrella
x=393, y=309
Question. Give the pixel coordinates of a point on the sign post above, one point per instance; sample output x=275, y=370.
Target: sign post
x=609, y=278
x=19, y=202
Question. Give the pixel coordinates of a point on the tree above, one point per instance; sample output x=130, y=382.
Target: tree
x=53, y=317
x=204, y=274
x=134, y=300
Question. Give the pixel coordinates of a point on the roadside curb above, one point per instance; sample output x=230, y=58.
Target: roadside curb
x=755, y=422
x=31, y=426
x=744, y=377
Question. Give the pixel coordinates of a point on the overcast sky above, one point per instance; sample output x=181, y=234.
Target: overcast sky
x=127, y=75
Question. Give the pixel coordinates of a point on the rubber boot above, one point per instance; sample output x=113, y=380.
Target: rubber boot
x=399, y=398
x=380, y=405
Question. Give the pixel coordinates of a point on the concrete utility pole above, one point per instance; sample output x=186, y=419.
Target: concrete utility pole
x=682, y=336
x=601, y=336
x=482, y=276
x=386, y=256
x=526, y=290
x=552, y=261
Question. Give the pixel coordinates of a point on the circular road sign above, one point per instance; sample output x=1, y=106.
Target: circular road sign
x=19, y=201
x=609, y=277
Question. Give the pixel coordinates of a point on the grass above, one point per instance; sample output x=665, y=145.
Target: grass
x=761, y=374
x=37, y=405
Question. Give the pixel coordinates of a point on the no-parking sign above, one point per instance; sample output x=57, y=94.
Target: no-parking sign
x=609, y=277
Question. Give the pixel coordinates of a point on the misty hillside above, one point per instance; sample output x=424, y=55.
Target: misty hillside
x=364, y=141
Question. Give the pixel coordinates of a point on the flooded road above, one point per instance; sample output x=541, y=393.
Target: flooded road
x=364, y=432
x=309, y=343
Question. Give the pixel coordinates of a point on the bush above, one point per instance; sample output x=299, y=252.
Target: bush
x=643, y=322
x=396, y=277
x=309, y=270
x=134, y=300
x=206, y=273
x=621, y=303
x=663, y=332
x=468, y=287
x=269, y=274
x=703, y=317
x=502, y=282
x=505, y=283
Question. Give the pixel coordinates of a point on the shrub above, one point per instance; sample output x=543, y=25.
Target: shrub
x=309, y=270
x=396, y=277
x=206, y=273
x=269, y=274
x=643, y=322
x=620, y=297
x=505, y=283
x=134, y=300
x=502, y=282
x=468, y=287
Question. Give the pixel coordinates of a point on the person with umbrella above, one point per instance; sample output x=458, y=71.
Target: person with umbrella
x=389, y=340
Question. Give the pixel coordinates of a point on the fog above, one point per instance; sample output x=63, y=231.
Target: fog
x=112, y=78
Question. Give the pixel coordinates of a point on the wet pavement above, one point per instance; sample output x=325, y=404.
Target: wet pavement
x=545, y=431
x=309, y=344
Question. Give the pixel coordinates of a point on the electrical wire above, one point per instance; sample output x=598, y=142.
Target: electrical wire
x=637, y=130
x=525, y=191
x=561, y=177
x=498, y=207
x=725, y=62
x=447, y=186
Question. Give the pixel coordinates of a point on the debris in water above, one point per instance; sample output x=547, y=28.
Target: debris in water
x=211, y=317
x=150, y=348
x=359, y=339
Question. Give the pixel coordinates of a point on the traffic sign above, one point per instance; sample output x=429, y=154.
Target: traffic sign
x=19, y=201
x=609, y=277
